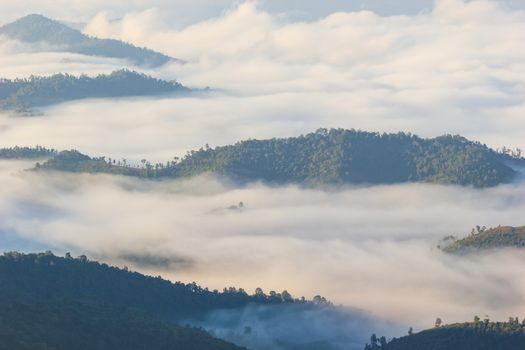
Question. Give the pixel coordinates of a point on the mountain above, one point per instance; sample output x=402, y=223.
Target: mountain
x=23, y=94
x=482, y=239
x=66, y=325
x=39, y=29
x=335, y=156
x=477, y=335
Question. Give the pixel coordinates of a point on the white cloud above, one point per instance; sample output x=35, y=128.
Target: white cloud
x=371, y=248
x=456, y=69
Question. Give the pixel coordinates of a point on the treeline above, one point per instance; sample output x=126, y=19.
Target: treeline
x=57, y=36
x=335, y=156
x=481, y=238
x=27, y=152
x=476, y=335
x=23, y=94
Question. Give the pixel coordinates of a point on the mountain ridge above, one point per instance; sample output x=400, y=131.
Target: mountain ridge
x=36, y=28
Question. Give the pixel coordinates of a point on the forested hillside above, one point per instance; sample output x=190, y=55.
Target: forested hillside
x=57, y=36
x=67, y=325
x=27, y=152
x=335, y=156
x=22, y=94
x=482, y=239
x=477, y=335
x=43, y=277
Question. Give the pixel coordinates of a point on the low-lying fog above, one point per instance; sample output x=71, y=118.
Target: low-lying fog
x=457, y=68
x=373, y=248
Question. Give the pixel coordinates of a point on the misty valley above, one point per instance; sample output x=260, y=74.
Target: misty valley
x=217, y=175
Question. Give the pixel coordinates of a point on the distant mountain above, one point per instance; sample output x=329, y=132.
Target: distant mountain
x=67, y=324
x=477, y=335
x=23, y=94
x=334, y=156
x=482, y=239
x=40, y=29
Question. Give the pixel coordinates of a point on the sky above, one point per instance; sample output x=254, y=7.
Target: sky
x=279, y=69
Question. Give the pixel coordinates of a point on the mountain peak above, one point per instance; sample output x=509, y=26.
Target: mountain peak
x=37, y=28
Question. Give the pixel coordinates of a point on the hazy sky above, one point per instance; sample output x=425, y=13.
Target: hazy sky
x=185, y=12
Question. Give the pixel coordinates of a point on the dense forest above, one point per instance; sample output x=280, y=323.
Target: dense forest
x=22, y=94
x=476, y=335
x=335, y=156
x=39, y=29
x=27, y=152
x=67, y=324
x=481, y=238
x=51, y=301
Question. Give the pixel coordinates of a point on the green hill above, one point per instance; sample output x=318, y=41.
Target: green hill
x=478, y=335
x=39, y=29
x=66, y=325
x=23, y=94
x=486, y=239
x=335, y=156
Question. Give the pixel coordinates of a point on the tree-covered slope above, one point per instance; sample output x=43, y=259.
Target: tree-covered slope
x=478, y=335
x=22, y=94
x=66, y=325
x=39, y=29
x=27, y=152
x=334, y=156
x=42, y=277
x=486, y=239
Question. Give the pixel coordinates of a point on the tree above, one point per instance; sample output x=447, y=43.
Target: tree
x=438, y=322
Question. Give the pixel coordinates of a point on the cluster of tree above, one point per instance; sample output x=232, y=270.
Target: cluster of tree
x=481, y=238
x=40, y=29
x=511, y=153
x=335, y=156
x=27, y=152
x=476, y=335
x=22, y=94
x=68, y=324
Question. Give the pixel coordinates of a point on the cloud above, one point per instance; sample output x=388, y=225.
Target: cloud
x=294, y=327
x=457, y=68
x=370, y=248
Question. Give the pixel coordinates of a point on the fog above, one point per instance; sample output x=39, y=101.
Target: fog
x=455, y=67
x=295, y=327
x=373, y=248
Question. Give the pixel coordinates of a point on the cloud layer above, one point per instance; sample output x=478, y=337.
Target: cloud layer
x=457, y=68
x=371, y=248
